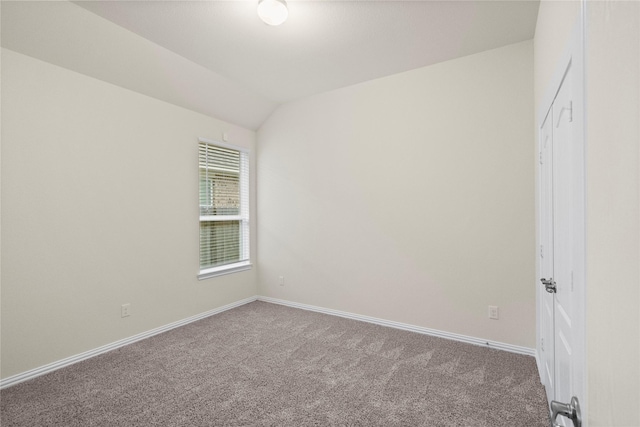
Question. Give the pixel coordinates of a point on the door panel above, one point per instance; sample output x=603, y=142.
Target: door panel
x=546, y=255
x=563, y=214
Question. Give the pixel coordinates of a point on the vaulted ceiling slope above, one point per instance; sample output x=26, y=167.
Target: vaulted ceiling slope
x=218, y=58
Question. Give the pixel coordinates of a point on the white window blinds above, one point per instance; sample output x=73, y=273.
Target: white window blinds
x=224, y=207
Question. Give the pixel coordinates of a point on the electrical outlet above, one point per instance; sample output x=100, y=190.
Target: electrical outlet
x=125, y=310
x=281, y=281
x=493, y=312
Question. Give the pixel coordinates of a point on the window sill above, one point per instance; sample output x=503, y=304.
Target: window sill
x=224, y=269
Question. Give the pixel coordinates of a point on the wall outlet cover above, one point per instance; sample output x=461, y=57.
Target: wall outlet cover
x=493, y=312
x=125, y=310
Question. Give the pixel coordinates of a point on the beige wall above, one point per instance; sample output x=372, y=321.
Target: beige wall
x=613, y=185
x=408, y=198
x=613, y=212
x=100, y=208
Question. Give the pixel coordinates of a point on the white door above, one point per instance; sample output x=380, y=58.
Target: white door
x=547, y=300
x=563, y=241
x=561, y=216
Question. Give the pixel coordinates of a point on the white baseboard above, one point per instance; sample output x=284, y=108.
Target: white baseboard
x=33, y=373
x=404, y=326
x=24, y=376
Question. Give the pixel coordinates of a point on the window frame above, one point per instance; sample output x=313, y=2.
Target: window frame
x=243, y=217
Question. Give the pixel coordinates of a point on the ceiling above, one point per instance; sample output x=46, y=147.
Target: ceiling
x=238, y=68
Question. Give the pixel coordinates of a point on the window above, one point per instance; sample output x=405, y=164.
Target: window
x=224, y=209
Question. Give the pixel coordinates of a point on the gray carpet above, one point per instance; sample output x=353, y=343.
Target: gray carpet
x=263, y=364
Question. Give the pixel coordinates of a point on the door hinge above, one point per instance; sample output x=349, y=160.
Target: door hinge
x=541, y=251
x=541, y=158
x=570, y=111
x=542, y=344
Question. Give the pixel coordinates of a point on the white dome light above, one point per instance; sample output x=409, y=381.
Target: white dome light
x=273, y=12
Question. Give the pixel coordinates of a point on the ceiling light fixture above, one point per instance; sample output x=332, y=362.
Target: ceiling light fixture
x=273, y=12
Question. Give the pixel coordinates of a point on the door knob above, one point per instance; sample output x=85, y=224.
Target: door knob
x=549, y=285
x=570, y=410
